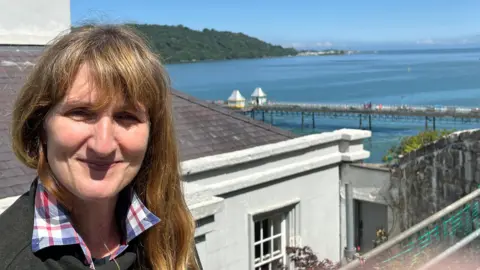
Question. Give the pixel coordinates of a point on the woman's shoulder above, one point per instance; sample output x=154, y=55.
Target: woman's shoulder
x=16, y=227
x=16, y=214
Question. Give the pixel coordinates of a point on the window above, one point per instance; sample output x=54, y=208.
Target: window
x=270, y=235
x=271, y=230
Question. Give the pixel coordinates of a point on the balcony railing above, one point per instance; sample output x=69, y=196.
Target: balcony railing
x=430, y=241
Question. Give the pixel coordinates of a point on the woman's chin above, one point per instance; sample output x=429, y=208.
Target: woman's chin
x=96, y=192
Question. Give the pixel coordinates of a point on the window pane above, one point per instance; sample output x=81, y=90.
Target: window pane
x=257, y=251
x=257, y=231
x=266, y=228
x=262, y=267
x=277, y=264
x=271, y=229
x=266, y=248
x=277, y=224
x=277, y=244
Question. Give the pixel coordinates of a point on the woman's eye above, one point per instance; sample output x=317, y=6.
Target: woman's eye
x=81, y=114
x=127, y=117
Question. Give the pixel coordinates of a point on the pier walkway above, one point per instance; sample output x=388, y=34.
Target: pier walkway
x=365, y=113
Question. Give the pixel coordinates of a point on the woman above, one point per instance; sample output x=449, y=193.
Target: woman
x=95, y=120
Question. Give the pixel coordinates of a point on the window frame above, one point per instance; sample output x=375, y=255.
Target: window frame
x=289, y=213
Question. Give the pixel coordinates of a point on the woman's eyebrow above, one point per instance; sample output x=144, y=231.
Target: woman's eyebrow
x=132, y=108
x=87, y=103
x=79, y=103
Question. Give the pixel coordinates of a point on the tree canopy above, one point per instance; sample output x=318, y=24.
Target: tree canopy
x=181, y=44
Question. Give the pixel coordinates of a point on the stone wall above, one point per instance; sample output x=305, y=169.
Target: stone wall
x=427, y=180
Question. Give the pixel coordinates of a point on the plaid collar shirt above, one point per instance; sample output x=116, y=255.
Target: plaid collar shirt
x=52, y=226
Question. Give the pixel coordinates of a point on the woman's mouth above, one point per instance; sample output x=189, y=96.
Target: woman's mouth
x=99, y=165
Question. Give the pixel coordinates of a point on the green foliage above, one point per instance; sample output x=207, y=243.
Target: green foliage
x=411, y=143
x=178, y=43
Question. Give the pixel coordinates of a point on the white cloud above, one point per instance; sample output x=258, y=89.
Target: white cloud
x=427, y=41
x=324, y=44
x=312, y=45
x=449, y=41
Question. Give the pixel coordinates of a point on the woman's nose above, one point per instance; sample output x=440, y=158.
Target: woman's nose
x=103, y=140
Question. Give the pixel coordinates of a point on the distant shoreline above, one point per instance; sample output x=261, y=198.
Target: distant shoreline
x=306, y=53
x=325, y=52
x=303, y=54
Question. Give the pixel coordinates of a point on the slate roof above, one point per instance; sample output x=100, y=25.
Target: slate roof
x=207, y=129
x=202, y=128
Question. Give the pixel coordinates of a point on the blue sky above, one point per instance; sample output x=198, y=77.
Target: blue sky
x=314, y=23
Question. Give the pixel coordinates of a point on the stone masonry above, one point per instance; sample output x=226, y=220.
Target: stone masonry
x=428, y=179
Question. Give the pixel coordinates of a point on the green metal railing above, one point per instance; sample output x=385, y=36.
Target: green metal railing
x=424, y=241
x=430, y=240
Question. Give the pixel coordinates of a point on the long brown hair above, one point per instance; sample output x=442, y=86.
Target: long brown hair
x=122, y=66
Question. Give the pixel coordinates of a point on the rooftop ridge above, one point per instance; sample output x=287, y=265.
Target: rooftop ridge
x=233, y=114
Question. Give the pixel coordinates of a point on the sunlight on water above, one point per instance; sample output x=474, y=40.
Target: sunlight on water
x=443, y=77
x=384, y=134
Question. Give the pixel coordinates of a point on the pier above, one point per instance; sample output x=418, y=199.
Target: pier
x=366, y=114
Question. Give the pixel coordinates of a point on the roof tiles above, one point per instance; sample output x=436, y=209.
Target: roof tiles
x=202, y=128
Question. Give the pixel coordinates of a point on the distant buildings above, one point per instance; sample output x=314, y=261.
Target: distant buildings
x=236, y=100
x=258, y=97
x=325, y=52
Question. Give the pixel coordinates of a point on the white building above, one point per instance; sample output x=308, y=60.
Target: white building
x=29, y=22
x=259, y=97
x=236, y=100
x=253, y=189
x=260, y=200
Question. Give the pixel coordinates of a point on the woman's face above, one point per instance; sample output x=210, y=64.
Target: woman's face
x=92, y=154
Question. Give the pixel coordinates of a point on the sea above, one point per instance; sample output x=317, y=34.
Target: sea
x=442, y=77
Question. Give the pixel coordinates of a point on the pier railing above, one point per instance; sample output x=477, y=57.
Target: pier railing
x=429, y=242
x=364, y=113
x=372, y=108
x=361, y=107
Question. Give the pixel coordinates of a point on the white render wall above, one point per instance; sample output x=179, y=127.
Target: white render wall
x=229, y=189
x=370, y=184
x=224, y=192
x=6, y=202
x=33, y=22
x=229, y=247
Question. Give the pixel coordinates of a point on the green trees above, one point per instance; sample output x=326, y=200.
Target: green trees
x=178, y=43
x=409, y=144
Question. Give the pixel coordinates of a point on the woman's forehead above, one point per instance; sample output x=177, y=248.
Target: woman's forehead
x=84, y=91
x=93, y=99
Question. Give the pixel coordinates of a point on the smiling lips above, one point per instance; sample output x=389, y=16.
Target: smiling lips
x=99, y=165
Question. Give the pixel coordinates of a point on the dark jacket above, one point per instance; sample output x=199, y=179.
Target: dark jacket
x=16, y=228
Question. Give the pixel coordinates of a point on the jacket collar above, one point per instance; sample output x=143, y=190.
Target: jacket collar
x=52, y=225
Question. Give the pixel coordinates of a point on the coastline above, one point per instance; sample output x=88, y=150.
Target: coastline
x=252, y=58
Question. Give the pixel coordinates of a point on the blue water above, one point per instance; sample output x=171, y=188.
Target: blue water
x=430, y=77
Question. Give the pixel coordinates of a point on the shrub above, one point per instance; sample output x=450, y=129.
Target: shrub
x=305, y=258
x=412, y=143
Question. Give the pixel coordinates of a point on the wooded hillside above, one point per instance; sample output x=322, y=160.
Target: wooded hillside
x=182, y=44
